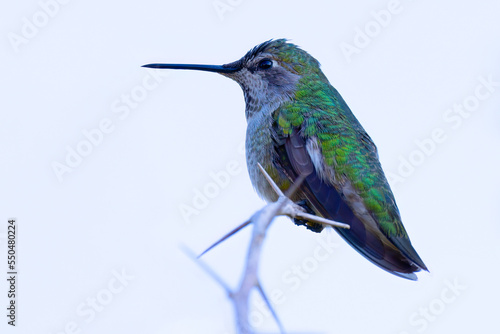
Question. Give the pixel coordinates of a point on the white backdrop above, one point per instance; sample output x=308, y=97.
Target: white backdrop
x=100, y=157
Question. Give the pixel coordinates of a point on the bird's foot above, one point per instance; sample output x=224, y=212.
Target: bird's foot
x=315, y=227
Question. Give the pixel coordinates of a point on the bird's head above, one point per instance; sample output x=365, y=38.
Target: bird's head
x=268, y=73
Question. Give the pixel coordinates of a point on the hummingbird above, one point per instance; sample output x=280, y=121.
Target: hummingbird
x=299, y=124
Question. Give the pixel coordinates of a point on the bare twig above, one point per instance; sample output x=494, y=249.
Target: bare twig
x=261, y=221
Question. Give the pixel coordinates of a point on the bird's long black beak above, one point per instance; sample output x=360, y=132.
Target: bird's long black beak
x=208, y=68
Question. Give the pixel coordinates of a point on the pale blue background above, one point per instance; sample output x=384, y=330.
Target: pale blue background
x=119, y=208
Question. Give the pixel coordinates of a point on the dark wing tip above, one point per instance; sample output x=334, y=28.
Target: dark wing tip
x=405, y=246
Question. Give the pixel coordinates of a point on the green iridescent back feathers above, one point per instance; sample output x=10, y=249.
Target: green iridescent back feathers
x=319, y=111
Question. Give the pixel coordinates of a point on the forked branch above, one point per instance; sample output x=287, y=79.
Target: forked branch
x=261, y=221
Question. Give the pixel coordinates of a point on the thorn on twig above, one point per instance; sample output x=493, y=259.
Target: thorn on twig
x=205, y=267
x=296, y=185
x=225, y=237
x=271, y=181
x=270, y=307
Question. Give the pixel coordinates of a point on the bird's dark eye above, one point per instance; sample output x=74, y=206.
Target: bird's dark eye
x=265, y=64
